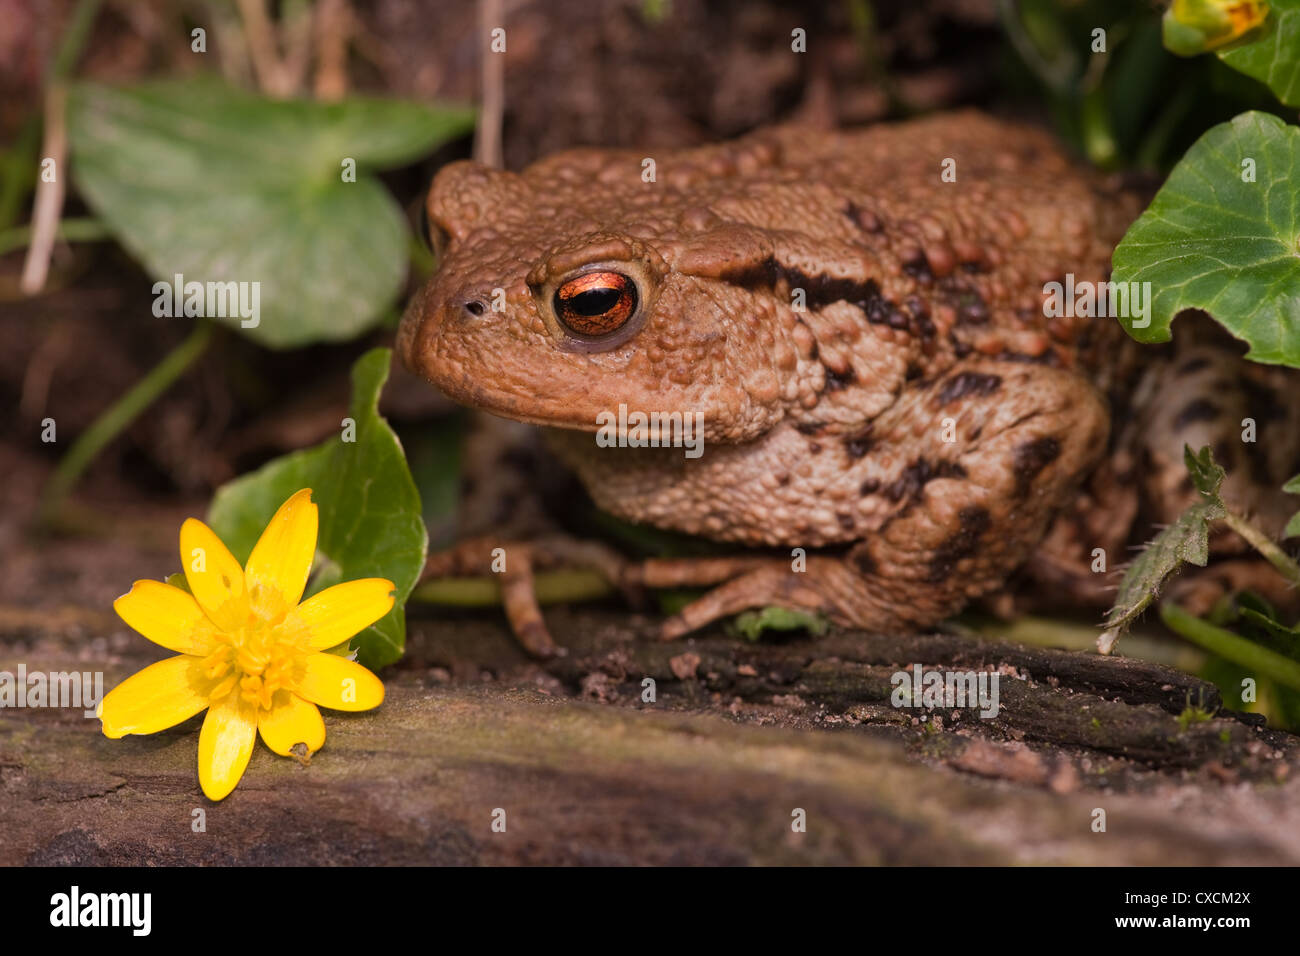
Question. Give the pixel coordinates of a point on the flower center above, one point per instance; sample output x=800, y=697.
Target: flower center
x=259, y=658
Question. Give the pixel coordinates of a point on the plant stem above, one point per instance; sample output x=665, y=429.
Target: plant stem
x=1231, y=646
x=48, y=206
x=1078, y=636
x=70, y=230
x=1159, y=131
x=47, y=209
x=119, y=415
x=1057, y=73
x=552, y=587
x=21, y=159
x=74, y=40
x=1265, y=546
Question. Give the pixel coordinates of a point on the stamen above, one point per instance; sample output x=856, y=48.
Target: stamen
x=260, y=657
x=224, y=688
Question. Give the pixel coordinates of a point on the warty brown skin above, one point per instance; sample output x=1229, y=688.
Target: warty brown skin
x=865, y=340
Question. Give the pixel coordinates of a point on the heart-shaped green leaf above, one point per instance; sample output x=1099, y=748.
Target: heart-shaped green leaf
x=1223, y=235
x=370, y=521
x=216, y=185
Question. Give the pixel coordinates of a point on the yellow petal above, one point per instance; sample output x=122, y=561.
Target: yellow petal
x=166, y=615
x=225, y=744
x=214, y=576
x=160, y=696
x=295, y=721
x=339, y=684
x=337, y=613
x=282, y=557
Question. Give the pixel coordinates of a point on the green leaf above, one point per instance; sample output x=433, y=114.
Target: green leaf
x=1250, y=601
x=1211, y=241
x=1205, y=472
x=1186, y=540
x=1234, y=647
x=1273, y=58
x=1278, y=702
x=1284, y=640
x=1292, y=528
x=197, y=179
x=433, y=453
x=752, y=624
x=370, y=524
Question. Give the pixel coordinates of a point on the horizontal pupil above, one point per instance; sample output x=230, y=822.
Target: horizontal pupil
x=594, y=302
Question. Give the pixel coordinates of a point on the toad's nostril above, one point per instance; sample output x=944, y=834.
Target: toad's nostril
x=475, y=308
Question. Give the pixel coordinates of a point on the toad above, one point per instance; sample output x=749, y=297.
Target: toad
x=855, y=320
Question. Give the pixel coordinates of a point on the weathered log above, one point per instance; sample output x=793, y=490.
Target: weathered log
x=739, y=738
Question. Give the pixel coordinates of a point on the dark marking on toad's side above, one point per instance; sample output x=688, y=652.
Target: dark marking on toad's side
x=835, y=381
x=918, y=474
x=1031, y=458
x=859, y=443
x=974, y=522
x=964, y=384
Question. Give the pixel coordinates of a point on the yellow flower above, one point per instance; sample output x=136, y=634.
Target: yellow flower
x=249, y=652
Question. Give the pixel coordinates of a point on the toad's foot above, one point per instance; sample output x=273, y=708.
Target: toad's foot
x=517, y=563
x=827, y=586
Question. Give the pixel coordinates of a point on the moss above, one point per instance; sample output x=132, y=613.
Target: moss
x=1193, y=715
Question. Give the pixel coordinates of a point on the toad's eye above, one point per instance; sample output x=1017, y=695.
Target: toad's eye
x=596, y=303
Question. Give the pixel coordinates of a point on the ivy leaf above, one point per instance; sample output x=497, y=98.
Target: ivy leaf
x=1274, y=57
x=217, y=185
x=370, y=519
x=1211, y=241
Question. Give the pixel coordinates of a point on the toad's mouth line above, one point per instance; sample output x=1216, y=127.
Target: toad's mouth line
x=618, y=419
x=520, y=407
x=656, y=427
x=621, y=422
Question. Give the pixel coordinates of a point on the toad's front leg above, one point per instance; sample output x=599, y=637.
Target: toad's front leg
x=517, y=562
x=981, y=459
